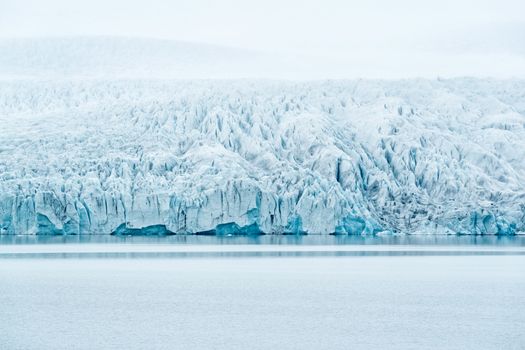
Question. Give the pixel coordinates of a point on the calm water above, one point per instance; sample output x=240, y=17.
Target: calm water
x=457, y=302
x=518, y=240
x=184, y=292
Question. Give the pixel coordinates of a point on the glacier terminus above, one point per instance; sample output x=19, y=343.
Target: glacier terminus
x=248, y=157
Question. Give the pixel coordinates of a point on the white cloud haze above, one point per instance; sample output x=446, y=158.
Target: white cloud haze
x=386, y=38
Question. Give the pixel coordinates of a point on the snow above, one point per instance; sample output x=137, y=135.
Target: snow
x=107, y=57
x=125, y=58
x=92, y=156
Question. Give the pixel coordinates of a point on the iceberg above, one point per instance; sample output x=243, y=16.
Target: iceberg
x=126, y=157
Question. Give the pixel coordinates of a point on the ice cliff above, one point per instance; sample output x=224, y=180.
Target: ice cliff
x=247, y=157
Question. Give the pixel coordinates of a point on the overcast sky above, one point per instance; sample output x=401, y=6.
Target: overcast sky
x=459, y=32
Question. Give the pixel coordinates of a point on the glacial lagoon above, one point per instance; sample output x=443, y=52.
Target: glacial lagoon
x=268, y=292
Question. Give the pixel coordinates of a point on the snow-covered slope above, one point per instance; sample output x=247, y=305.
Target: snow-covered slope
x=146, y=58
x=139, y=58
x=414, y=156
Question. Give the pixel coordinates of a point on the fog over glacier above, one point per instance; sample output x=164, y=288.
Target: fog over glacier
x=315, y=39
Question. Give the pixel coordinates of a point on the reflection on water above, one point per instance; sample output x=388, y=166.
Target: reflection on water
x=274, y=240
x=94, y=247
x=254, y=254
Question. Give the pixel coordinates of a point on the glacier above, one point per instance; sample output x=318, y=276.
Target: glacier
x=227, y=157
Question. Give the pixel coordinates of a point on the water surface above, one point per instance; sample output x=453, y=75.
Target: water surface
x=516, y=240
x=424, y=302
x=263, y=292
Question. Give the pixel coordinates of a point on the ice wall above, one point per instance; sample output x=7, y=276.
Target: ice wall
x=247, y=157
